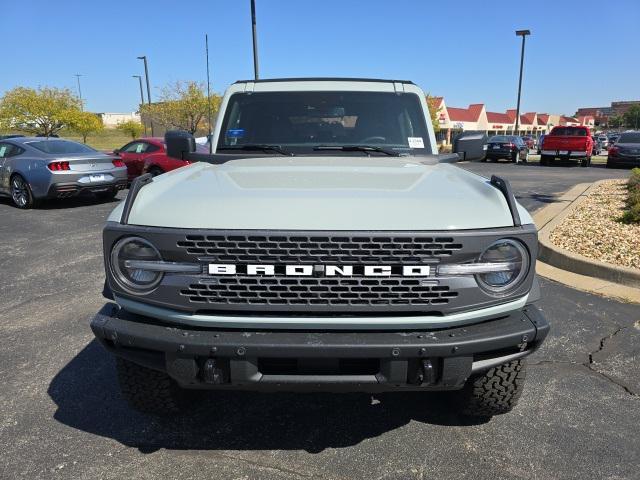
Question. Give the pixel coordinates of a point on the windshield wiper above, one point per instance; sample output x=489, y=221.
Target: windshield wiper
x=357, y=148
x=259, y=146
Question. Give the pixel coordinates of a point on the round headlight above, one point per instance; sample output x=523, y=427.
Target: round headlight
x=515, y=259
x=130, y=277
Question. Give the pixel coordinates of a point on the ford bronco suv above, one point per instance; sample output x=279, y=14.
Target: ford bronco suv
x=324, y=245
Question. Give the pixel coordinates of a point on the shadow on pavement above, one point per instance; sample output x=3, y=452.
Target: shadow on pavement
x=66, y=203
x=87, y=396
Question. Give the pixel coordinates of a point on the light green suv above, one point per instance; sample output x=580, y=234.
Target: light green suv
x=324, y=245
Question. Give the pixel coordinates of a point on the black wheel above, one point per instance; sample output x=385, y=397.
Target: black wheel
x=515, y=157
x=21, y=193
x=155, y=171
x=493, y=393
x=107, y=195
x=544, y=160
x=584, y=162
x=149, y=391
x=609, y=164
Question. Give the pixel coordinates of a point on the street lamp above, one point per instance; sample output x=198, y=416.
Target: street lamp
x=139, y=77
x=78, y=75
x=255, y=39
x=523, y=34
x=146, y=76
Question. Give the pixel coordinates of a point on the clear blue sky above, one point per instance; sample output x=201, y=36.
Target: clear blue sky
x=581, y=53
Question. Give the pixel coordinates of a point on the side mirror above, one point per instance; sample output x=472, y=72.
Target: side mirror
x=179, y=143
x=116, y=151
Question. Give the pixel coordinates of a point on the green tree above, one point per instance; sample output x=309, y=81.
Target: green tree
x=434, y=110
x=183, y=106
x=86, y=123
x=632, y=117
x=131, y=127
x=615, y=122
x=43, y=111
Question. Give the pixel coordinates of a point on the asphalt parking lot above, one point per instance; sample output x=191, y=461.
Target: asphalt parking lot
x=62, y=415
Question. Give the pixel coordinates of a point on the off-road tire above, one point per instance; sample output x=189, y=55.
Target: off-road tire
x=149, y=391
x=495, y=392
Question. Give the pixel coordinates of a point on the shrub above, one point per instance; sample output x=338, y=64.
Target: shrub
x=632, y=215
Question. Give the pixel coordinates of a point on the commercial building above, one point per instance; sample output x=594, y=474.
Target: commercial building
x=111, y=120
x=454, y=120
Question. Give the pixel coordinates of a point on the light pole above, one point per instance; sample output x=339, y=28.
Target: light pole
x=139, y=77
x=255, y=39
x=78, y=75
x=523, y=34
x=146, y=76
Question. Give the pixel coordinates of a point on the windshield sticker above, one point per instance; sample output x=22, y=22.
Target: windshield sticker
x=235, y=133
x=416, y=142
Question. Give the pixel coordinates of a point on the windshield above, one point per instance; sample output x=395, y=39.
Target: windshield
x=631, y=137
x=60, y=147
x=302, y=121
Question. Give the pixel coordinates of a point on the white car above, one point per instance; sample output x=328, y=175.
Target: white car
x=325, y=245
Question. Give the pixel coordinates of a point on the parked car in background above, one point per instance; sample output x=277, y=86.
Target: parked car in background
x=134, y=154
x=597, y=146
x=34, y=169
x=604, y=141
x=159, y=162
x=539, y=143
x=529, y=141
x=626, y=151
x=510, y=147
x=567, y=143
x=149, y=155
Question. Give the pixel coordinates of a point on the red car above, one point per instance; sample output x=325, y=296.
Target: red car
x=567, y=143
x=149, y=155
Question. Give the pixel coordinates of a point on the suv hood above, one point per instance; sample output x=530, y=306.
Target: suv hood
x=321, y=193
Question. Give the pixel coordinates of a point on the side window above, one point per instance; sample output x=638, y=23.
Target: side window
x=8, y=150
x=134, y=147
x=151, y=148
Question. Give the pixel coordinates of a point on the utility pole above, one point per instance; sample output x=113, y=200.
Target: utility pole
x=139, y=77
x=209, y=136
x=78, y=75
x=255, y=40
x=146, y=76
x=523, y=34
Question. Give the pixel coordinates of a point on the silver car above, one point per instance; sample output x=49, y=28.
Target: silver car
x=35, y=168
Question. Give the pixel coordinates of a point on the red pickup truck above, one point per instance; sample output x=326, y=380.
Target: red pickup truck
x=566, y=143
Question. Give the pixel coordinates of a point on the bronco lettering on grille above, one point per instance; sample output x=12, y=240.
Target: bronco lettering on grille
x=320, y=270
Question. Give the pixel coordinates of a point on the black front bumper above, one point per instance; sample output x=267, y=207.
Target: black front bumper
x=336, y=361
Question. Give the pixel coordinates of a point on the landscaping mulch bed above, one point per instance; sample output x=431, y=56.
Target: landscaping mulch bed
x=593, y=229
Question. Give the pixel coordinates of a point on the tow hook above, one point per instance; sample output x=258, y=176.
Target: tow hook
x=425, y=374
x=212, y=373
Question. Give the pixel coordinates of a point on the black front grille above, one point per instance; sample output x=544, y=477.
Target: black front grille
x=244, y=290
x=280, y=249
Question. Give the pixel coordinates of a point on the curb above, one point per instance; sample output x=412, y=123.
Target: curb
x=597, y=277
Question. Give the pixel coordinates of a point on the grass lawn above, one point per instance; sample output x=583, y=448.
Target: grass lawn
x=108, y=139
